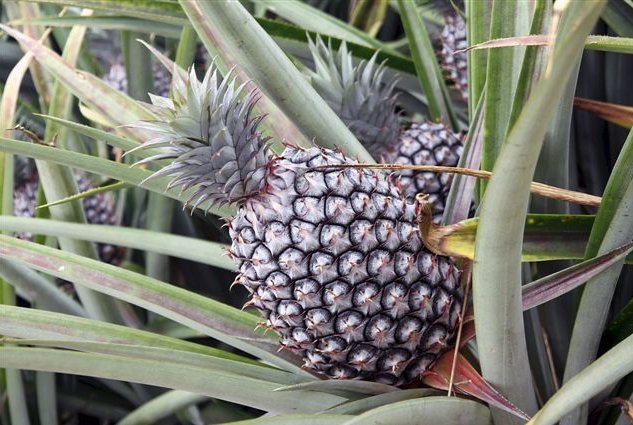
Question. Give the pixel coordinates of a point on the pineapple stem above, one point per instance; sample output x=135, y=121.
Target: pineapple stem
x=536, y=188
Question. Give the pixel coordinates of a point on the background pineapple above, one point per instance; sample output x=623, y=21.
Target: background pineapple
x=99, y=208
x=367, y=105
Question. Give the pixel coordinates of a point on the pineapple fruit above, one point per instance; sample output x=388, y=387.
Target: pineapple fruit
x=117, y=78
x=367, y=105
x=453, y=60
x=331, y=257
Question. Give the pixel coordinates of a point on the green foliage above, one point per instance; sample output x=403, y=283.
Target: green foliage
x=160, y=336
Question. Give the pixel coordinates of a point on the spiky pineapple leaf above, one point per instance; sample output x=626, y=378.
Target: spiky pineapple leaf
x=322, y=419
x=213, y=318
x=111, y=22
x=248, y=369
x=116, y=106
x=229, y=30
x=546, y=237
x=364, y=404
x=162, y=11
x=214, y=383
x=603, y=372
x=602, y=43
x=204, y=252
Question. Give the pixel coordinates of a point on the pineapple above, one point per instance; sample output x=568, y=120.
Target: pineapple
x=117, y=78
x=331, y=257
x=368, y=107
x=452, y=39
x=99, y=208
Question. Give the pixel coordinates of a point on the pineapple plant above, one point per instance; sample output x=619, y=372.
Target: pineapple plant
x=331, y=258
x=367, y=105
x=329, y=255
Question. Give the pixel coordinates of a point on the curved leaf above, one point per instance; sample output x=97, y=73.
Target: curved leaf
x=227, y=28
x=613, y=365
x=213, y=318
x=213, y=383
x=428, y=410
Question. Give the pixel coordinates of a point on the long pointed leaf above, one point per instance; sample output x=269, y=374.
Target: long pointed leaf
x=213, y=383
x=226, y=27
x=217, y=320
x=497, y=267
x=613, y=365
x=547, y=288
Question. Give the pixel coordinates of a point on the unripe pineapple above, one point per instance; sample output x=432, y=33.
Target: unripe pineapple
x=98, y=208
x=454, y=61
x=367, y=106
x=117, y=78
x=331, y=257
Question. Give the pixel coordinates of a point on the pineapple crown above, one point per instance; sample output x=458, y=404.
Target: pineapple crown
x=211, y=135
x=358, y=94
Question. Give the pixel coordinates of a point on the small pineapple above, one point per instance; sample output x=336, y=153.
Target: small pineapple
x=117, y=78
x=452, y=40
x=331, y=257
x=368, y=107
x=99, y=208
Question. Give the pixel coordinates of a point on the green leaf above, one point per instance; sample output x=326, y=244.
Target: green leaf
x=606, y=370
x=229, y=30
x=225, y=323
x=364, y=404
x=161, y=407
x=297, y=420
x=20, y=322
x=502, y=73
x=205, y=252
x=555, y=285
x=177, y=357
x=428, y=70
x=162, y=11
x=546, y=237
x=478, y=28
x=308, y=17
x=38, y=290
x=431, y=410
x=112, y=22
x=118, y=107
x=611, y=229
x=213, y=383
x=497, y=268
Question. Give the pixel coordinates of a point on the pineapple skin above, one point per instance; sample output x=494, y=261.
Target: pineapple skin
x=333, y=261
x=426, y=143
x=331, y=256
